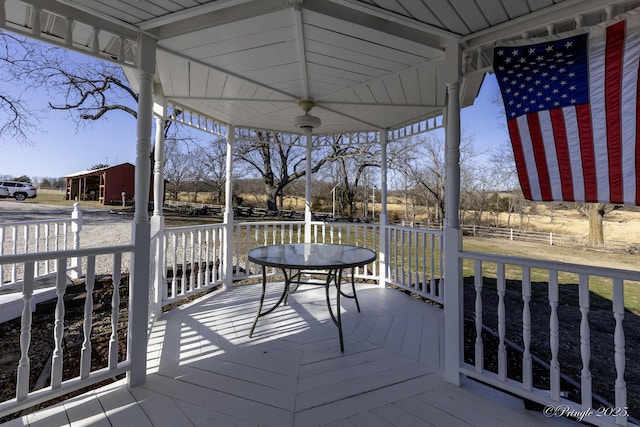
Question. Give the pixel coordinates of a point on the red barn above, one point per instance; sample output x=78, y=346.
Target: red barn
x=105, y=185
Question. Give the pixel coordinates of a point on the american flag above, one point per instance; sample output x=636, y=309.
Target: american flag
x=572, y=112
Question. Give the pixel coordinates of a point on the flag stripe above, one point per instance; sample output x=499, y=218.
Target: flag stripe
x=574, y=151
x=598, y=125
x=539, y=156
x=550, y=153
x=613, y=87
x=587, y=153
x=629, y=120
x=518, y=154
x=562, y=150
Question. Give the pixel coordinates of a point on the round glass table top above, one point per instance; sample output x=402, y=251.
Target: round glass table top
x=312, y=256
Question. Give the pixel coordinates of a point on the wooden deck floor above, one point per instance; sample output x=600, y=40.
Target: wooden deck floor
x=205, y=371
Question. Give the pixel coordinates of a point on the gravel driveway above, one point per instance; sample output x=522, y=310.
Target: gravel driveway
x=100, y=226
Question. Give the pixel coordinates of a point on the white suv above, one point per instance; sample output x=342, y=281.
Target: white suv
x=19, y=190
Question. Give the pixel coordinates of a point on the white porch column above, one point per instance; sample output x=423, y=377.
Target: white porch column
x=453, y=302
x=139, y=295
x=382, y=253
x=228, y=211
x=157, y=219
x=307, y=192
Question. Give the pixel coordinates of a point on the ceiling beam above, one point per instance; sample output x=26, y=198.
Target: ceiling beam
x=382, y=20
x=302, y=57
x=188, y=21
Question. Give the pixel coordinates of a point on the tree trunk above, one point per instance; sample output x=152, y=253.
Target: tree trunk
x=595, y=213
x=272, y=195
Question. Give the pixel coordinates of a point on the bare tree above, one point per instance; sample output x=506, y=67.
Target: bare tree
x=18, y=119
x=277, y=161
x=352, y=160
x=178, y=168
x=212, y=160
x=595, y=213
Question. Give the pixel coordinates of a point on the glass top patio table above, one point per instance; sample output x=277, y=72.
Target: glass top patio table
x=329, y=258
x=312, y=256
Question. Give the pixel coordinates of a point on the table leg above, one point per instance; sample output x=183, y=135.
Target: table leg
x=339, y=281
x=260, y=313
x=336, y=317
x=354, y=295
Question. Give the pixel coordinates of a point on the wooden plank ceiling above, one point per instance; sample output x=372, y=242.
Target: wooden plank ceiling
x=368, y=64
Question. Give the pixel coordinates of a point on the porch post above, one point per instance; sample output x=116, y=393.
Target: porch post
x=307, y=192
x=157, y=220
x=382, y=251
x=139, y=288
x=453, y=303
x=227, y=262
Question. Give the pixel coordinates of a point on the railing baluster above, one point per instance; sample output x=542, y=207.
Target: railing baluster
x=1, y=253
x=24, y=364
x=479, y=347
x=502, y=348
x=619, y=348
x=200, y=271
x=192, y=243
x=183, y=280
x=585, y=341
x=58, y=325
x=15, y=250
x=207, y=255
x=174, y=281
x=115, y=311
x=274, y=231
x=85, y=353
x=403, y=257
x=554, y=334
x=424, y=283
x=527, y=367
x=409, y=256
x=36, y=238
x=396, y=249
x=46, y=246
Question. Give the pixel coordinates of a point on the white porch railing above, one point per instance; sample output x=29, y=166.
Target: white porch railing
x=194, y=255
x=49, y=235
x=525, y=286
x=414, y=261
x=193, y=260
x=67, y=375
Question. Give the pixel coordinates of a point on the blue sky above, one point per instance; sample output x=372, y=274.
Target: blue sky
x=59, y=149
